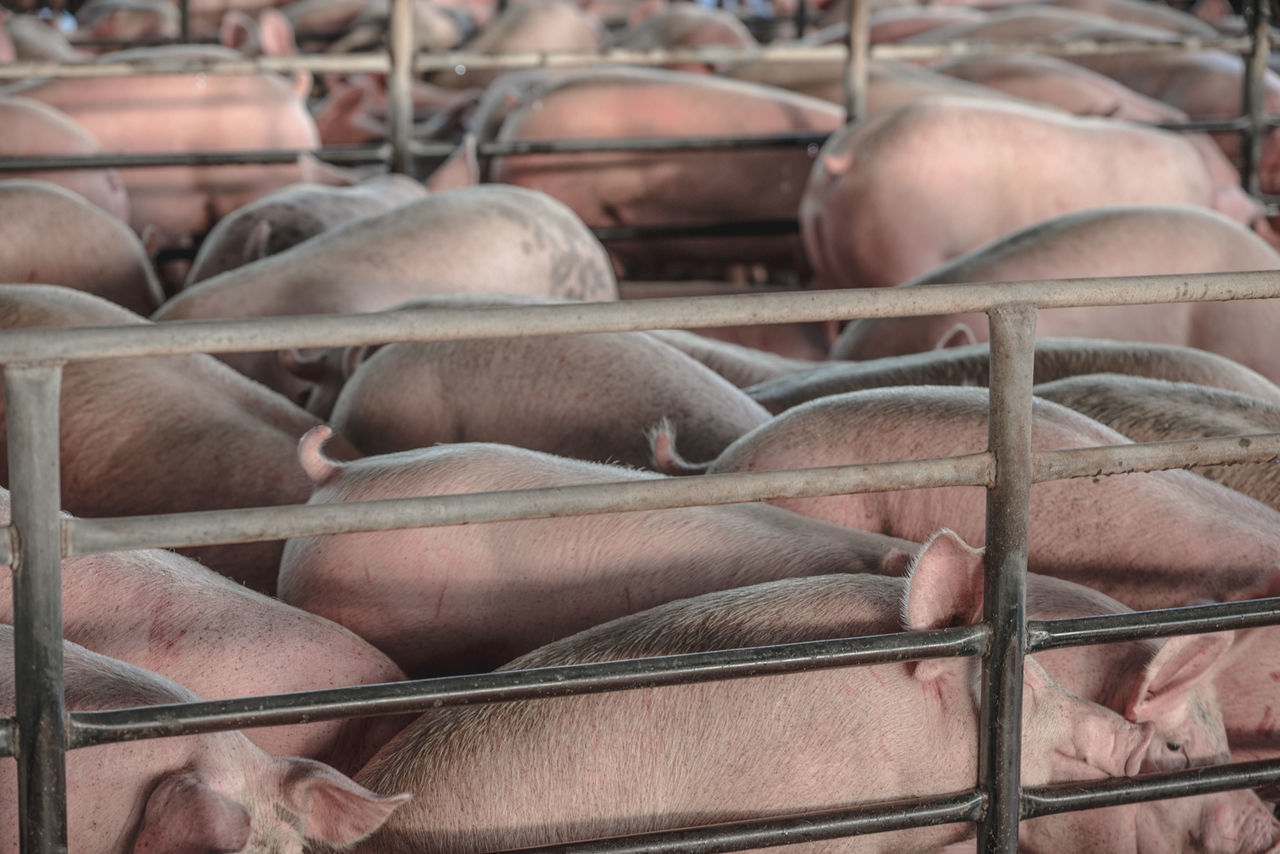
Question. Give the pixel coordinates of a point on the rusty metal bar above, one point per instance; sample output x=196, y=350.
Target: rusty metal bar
x=400, y=87
x=452, y=324
x=1252, y=138
x=31, y=396
x=1013, y=337
x=857, y=60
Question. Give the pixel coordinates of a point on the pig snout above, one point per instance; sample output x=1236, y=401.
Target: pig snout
x=1240, y=823
x=1104, y=748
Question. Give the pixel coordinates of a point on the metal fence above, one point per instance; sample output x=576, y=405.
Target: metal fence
x=38, y=539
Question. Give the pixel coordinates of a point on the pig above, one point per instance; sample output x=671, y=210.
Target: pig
x=474, y=240
x=181, y=113
x=459, y=610
x=895, y=23
x=32, y=128
x=876, y=165
x=1147, y=410
x=34, y=39
x=669, y=188
x=191, y=625
x=289, y=216
x=1056, y=82
x=1204, y=85
x=127, y=21
x=534, y=25
x=589, y=397
x=208, y=792
x=889, y=84
x=741, y=365
x=793, y=743
x=1122, y=241
x=686, y=25
x=1054, y=358
x=1109, y=533
x=1039, y=21
x=103, y=257
x=1168, y=686
x=436, y=26
x=1145, y=14
x=168, y=434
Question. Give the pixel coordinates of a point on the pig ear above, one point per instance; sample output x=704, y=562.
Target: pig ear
x=255, y=245
x=333, y=807
x=236, y=30
x=945, y=586
x=185, y=816
x=959, y=335
x=944, y=590
x=276, y=34
x=1175, y=671
x=461, y=169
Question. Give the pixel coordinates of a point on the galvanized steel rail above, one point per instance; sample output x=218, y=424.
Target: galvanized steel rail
x=38, y=537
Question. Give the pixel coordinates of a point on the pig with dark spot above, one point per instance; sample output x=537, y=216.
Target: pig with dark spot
x=458, y=598
x=884, y=205
x=166, y=434
x=290, y=216
x=476, y=240
x=209, y=792
x=1054, y=358
x=590, y=397
x=1121, y=241
x=753, y=748
x=103, y=257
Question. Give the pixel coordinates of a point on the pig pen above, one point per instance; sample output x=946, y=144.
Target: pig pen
x=37, y=539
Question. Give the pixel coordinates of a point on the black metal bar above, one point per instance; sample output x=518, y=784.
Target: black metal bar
x=31, y=398
x=1004, y=602
x=1252, y=138
x=1044, y=635
x=755, y=228
x=1050, y=800
x=102, y=727
x=354, y=156
x=802, y=17
x=790, y=830
x=184, y=20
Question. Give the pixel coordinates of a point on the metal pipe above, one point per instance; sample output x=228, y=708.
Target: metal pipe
x=802, y=17
x=1013, y=338
x=771, y=832
x=1045, y=635
x=1252, y=138
x=756, y=228
x=1049, y=800
x=857, y=60
x=400, y=87
x=352, y=156
x=426, y=62
x=104, y=727
x=208, y=527
x=452, y=324
x=31, y=395
x=89, y=536
x=184, y=20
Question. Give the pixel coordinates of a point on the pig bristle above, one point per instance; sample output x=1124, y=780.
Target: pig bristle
x=312, y=457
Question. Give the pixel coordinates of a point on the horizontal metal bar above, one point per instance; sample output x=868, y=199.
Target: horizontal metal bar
x=208, y=527
x=452, y=324
x=1076, y=47
x=173, y=530
x=756, y=228
x=103, y=727
x=348, y=155
x=1049, y=800
x=771, y=832
x=1045, y=635
x=379, y=63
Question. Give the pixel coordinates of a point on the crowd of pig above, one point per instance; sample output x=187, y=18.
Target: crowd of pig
x=969, y=169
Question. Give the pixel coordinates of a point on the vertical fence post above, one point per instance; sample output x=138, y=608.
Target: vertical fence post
x=400, y=87
x=857, y=60
x=1258, y=15
x=184, y=21
x=31, y=400
x=1004, y=600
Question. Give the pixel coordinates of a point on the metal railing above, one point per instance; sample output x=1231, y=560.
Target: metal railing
x=37, y=539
